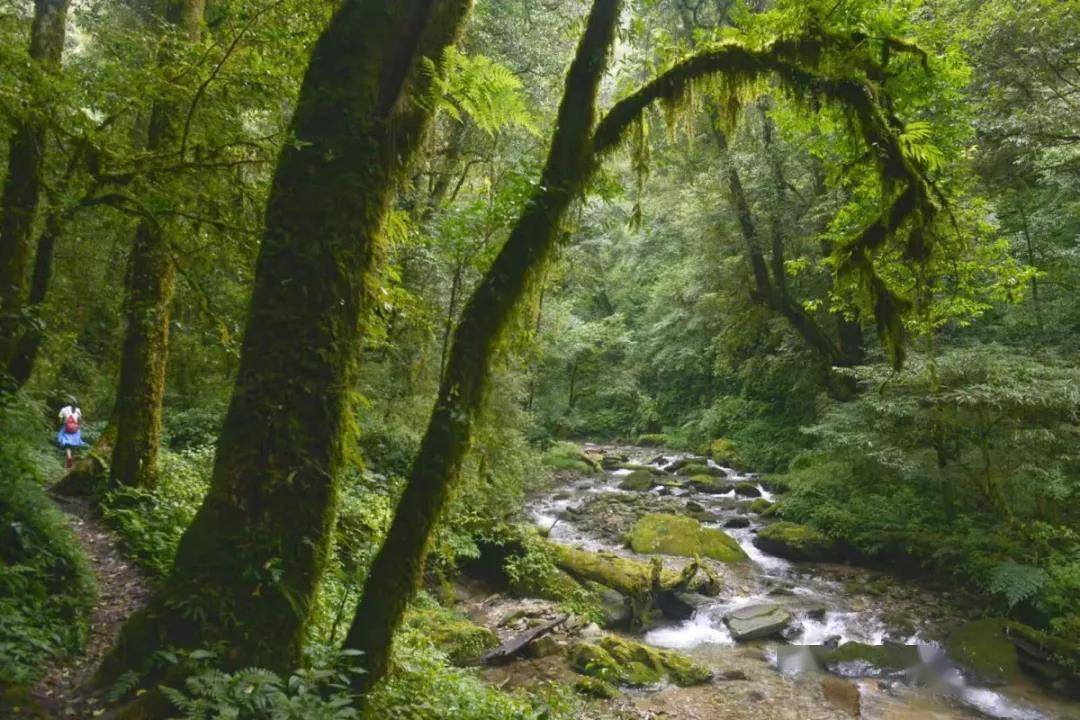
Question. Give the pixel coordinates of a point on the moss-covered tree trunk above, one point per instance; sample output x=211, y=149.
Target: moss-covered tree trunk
x=150, y=285
x=248, y=568
x=397, y=568
x=22, y=184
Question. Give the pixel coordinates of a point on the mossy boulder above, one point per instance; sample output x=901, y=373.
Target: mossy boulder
x=796, y=542
x=700, y=469
x=747, y=489
x=596, y=688
x=889, y=658
x=710, y=485
x=652, y=440
x=627, y=576
x=638, y=480
x=683, y=536
x=568, y=457
x=982, y=649
x=759, y=506
x=462, y=640
x=618, y=660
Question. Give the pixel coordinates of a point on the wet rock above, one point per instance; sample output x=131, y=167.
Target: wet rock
x=674, y=607
x=694, y=507
x=983, y=650
x=701, y=468
x=842, y=694
x=757, y=621
x=792, y=631
x=817, y=612
x=658, y=460
x=617, y=659
x=612, y=462
x=679, y=464
x=561, y=496
x=542, y=647
x=745, y=489
x=612, y=605
x=733, y=675
x=710, y=485
x=679, y=535
x=854, y=658
x=707, y=517
x=639, y=480
x=738, y=522
x=759, y=506
x=796, y=542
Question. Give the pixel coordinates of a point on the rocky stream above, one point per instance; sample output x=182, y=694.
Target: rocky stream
x=747, y=634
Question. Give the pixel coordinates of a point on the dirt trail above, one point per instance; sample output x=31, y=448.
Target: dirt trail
x=122, y=589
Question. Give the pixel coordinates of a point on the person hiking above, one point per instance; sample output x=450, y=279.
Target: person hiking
x=70, y=434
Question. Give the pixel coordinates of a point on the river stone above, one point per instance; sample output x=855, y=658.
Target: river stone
x=639, y=480
x=796, y=542
x=701, y=469
x=757, y=621
x=738, y=522
x=857, y=657
x=683, y=536
x=710, y=485
x=759, y=506
x=982, y=649
x=746, y=489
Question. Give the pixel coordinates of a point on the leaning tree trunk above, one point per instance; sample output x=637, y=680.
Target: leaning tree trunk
x=397, y=567
x=22, y=186
x=247, y=569
x=151, y=281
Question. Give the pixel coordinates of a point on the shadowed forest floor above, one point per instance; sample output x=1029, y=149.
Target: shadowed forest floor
x=122, y=589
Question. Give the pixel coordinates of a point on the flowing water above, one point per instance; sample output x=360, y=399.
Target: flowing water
x=830, y=604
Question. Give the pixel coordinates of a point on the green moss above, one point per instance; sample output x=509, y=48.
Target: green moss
x=684, y=536
x=461, y=639
x=565, y=456
x=747, y=489
x=982, y=648
x=629, y=577
x=710, y=485
x=652, y=440
x=639, y=480
x=617, y=659
x=596, y=688
x=796, y=542
x=760, y=505
x=890, y=657
x=723, y=452
x=701, y=469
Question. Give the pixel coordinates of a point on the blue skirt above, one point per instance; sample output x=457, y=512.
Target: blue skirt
x=66, y=439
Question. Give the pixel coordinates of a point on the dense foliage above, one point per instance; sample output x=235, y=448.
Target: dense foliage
x=867, y=295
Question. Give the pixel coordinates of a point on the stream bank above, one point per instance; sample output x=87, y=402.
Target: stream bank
x=782, y=636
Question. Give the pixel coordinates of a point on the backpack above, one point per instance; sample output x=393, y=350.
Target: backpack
x=71, y=424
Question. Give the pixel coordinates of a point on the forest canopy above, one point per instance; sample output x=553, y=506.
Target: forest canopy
x=514, y=353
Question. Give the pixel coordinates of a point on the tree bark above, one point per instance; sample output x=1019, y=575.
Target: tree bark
x=248, y=568
x=151, y=282
x=22, y=185
x=397, y=567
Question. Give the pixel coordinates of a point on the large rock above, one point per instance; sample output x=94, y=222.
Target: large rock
x=757, y=621
x=678, y=535
x=619, y=660
x=796, y=542
x=710, y=485
x=700, y=468
x=982, y=650
x=639, y=480
x=854, y=658
x=747, y=489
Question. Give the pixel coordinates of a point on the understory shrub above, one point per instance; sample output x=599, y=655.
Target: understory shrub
x=46, y=585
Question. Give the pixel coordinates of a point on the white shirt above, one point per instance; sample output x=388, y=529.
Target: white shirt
x=68, y=410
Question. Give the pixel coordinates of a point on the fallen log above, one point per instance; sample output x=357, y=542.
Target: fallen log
x=517, y=644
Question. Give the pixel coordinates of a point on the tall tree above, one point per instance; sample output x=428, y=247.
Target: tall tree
x=248, y=568
x=151, y=281
x=22, y=185
x=397, y=567
x=575, y=153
